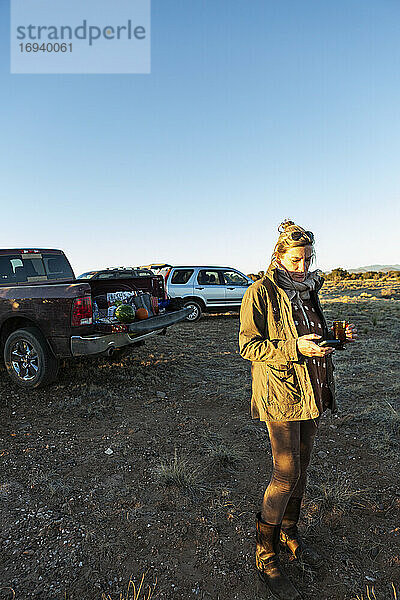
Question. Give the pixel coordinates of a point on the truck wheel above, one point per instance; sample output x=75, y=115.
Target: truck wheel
x=29, y=361
x=196, y=311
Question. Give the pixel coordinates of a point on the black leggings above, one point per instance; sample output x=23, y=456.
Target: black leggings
x=291, y=444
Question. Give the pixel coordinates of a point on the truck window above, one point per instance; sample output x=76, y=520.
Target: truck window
x=7, y=268
x=108, y=275
x=57, y=266
x=16, y=268
x=26, y=268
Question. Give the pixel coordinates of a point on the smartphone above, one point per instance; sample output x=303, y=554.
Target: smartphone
x=337, y=344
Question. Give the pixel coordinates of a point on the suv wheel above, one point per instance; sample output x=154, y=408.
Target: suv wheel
x=29, y=361
x=196, y=311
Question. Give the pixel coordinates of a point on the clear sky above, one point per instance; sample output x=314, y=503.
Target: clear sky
x=254, y=111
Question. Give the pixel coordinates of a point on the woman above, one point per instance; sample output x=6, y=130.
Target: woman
x=281, y=322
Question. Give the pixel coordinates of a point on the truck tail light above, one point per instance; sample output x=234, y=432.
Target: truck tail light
x=167, y=274
x=154, y=305
x=82, y=312
x=162, y=287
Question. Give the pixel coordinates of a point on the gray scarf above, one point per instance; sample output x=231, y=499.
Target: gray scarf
x=298, y=291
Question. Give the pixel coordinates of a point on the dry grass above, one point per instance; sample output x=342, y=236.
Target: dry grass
x=382, y=414
x=49, y=484
x=222, y=454
x=370, y=594
x=381, y=420
x=388, y=293
x=135, y=593
x=179, y=472
x=8, y=590
x=331, y=498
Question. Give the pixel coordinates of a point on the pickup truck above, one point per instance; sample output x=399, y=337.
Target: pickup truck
x=46, y=314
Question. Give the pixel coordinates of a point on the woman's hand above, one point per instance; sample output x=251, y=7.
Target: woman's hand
x=307, y=346
x=351, y=332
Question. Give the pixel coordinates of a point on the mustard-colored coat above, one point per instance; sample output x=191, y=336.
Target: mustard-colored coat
x=282, y=389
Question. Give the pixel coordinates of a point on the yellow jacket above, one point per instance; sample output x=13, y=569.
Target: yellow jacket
x=282, y=389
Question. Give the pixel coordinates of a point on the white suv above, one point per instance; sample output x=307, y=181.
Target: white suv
x=206, y=289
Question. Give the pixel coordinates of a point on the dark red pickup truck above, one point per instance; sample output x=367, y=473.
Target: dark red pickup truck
x=46, y=314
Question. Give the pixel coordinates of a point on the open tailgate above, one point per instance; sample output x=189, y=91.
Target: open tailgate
x=156, y=323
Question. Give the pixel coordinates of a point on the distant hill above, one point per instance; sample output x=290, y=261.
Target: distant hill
x=383, y=268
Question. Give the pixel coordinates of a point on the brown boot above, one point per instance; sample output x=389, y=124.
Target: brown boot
x=267, y=562
x=290, y=538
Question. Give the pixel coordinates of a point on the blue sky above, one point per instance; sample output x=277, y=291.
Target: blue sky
x=253, y=112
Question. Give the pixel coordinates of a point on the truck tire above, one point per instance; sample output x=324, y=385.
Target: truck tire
x=29, y=361
x=196, y=311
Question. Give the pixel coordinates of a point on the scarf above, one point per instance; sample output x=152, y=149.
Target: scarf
x=297, y=291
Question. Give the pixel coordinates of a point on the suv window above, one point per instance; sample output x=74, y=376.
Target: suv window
x=181, y=276
x=234, y=278
x=208, y=277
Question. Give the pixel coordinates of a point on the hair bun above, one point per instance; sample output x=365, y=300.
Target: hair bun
x=285, y=225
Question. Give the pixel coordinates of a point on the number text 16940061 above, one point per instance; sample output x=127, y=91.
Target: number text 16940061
x=49, y=47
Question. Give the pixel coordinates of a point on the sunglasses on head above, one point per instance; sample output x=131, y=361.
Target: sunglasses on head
x=297, y=235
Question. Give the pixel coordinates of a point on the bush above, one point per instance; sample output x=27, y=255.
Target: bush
x=388, y=293
x=256, y=277
x=338, y=274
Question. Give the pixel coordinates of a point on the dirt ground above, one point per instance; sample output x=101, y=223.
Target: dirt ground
x=152, y=466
